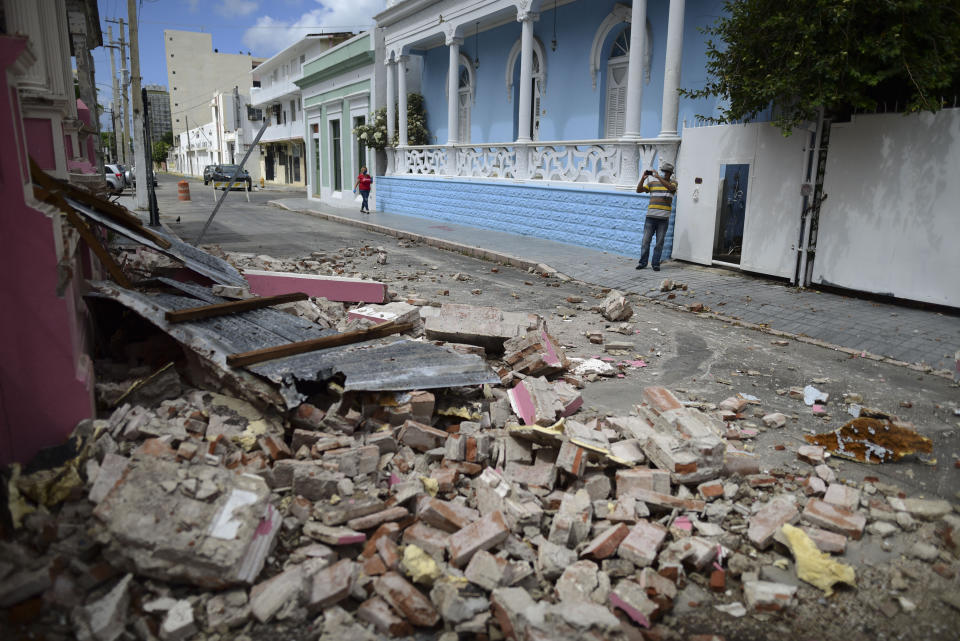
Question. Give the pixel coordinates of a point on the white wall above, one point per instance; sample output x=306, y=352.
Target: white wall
x=891, y=222
x=772, y=219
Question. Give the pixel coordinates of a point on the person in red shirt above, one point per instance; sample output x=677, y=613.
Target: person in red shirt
x=364, y=180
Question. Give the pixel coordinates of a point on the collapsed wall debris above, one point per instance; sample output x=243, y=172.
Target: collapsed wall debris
x=396, y=486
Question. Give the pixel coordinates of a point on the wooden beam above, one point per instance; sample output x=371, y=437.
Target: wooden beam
x=119, y=214
x=222, y=309
x=314, y=344
x=86, y=234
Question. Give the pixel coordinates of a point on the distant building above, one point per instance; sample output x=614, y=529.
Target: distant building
x=158, y=103
x=282, y=150
x=223, y=140
x=196, y=72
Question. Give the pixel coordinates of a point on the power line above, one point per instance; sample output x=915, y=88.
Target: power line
x=352, y=27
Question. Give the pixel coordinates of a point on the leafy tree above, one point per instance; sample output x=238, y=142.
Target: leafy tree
x=160, y=149
x=374, y=134
x=839, y=55
x=168, y=138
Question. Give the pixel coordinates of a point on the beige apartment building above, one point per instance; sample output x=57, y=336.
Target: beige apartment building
x=196, y=72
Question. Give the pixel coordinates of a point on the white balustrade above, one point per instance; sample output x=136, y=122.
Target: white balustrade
x=601, y=162
x=427, y=160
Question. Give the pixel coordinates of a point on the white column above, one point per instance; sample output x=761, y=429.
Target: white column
x=671, y=71
x=391, y=99
x=453, y=88
x=638, y=44
x=391, y=114
x=402, y=89
x=524, y=104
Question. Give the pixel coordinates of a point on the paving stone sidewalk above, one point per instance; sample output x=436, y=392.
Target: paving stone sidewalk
x=897, y=332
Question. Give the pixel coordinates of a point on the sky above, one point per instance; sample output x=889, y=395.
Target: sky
x=262, y=27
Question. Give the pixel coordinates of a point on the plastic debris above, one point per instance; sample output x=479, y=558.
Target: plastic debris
x=812, y=395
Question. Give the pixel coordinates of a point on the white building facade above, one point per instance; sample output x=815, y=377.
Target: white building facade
x=224, y=140
x=282, y=149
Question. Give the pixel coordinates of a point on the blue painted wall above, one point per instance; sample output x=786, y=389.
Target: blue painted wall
x=606, y=220
x=573, y=107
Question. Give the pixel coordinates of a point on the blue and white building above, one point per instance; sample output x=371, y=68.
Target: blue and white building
x=544, y=113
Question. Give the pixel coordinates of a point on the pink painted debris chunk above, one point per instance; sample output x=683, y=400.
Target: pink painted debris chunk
x=335, y=288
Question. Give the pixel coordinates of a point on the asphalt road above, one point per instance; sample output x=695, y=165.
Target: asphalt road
x=699, y=358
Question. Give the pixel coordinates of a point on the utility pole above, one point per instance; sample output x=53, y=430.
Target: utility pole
x=113, y=106
x=123, y=140
x=148, y=141
x=186, y=123
x=140, y=154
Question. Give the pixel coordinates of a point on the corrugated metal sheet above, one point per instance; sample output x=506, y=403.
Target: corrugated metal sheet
x=216, y=269
x=389, y=364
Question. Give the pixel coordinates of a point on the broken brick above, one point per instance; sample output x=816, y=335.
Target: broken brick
x=406, y=599
x=834, y=518
x=605, y=544
x=642, y=543
x=484, y=534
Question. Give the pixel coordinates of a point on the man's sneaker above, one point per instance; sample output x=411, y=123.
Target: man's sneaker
x=641, y=266
x=656, y=269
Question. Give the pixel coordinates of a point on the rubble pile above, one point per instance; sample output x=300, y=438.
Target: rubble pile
x=489, y=512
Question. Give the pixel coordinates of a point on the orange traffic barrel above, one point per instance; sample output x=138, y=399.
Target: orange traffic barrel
x=183, y=190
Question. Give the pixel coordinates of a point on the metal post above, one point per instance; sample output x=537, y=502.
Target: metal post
x=148, y=141
x=233, y=180
x=141, y=154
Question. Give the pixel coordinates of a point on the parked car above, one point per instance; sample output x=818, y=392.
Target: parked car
x=113, y=174
x=223, y=173
x=132, y=177
x=208, y=173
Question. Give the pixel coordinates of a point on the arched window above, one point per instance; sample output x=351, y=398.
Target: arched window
x=465, y=97
x=539, y=84
x=615, y=106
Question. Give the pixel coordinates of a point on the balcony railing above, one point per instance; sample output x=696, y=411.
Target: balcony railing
x=291, y=129
x=280, y=90
x=597, y=162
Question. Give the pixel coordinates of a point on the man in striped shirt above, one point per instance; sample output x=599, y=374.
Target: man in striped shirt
x=661, y=190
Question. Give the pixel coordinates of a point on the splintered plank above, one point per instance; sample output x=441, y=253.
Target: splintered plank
x=314, y=344
x=232, y=307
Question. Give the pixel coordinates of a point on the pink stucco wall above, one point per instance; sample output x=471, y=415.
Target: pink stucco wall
x=46, y=382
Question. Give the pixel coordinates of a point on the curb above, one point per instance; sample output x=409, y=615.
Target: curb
x=523, y=263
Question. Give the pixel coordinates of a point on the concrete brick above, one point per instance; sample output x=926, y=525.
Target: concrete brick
x=766, y=596
x=814, y=486
x=448, y=516
x=812, y=454
x=552, y=559
x=582, y=581
x=540, y=474
x=668, y=501
x=632, y=599
x=406, y=599
x=330, y=585
x=843, y=496
x=333, y=535
x=628, y=451
x=427, y=538
x=656, y=584
x=825, y=473
x=642, y=543
x=660, y=399
x=767, y=521
x=111, y=469
x=373, y=520
x=389, y=530
x=313, y=482
x=267, y=597
x=640, y=478
x=274, y=447
x=710, y=490
x=571, y=524
x=834, y=518
x=487, y=327
x=347, y=509
x=389, y=551
x=486, y=570
x=606, y=544
x=509, y=606
x=421, y=437
x=307, y=417
x=923, y=509
x=385, y=441
x=535, y=354
x=484, y=534
x=829, y=542
x=178, y=624
x=377, y=613
x=572, y=459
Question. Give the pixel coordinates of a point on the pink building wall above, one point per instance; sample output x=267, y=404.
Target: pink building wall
x=46, y=381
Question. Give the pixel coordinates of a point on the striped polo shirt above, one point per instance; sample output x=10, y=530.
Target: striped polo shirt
x=661, y=199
